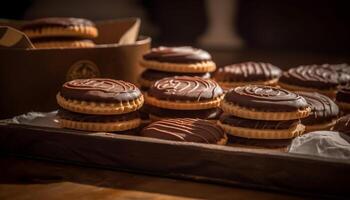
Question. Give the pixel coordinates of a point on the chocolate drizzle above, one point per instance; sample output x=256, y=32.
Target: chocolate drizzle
x=247, y=71
x=177, y=55
x=100, y=90
x=265, y=98
x=56, y=22
x=343, y=125
x=185, y=88
x=343, y=94
x=315, y=76
x=184, y=129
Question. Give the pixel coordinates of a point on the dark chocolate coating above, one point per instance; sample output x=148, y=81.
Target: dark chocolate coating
x=184, y=129
x=154, y=75
x=185, y=88
x=265, y=98
x=257, y=124
x=100, y=90
x=343, y=94
x=56, y=22
x=247, y=71
x=210, y=114
x=68, y=115
x=323, y=109
x=177, y=55
x=315, y=76
x=343, y=125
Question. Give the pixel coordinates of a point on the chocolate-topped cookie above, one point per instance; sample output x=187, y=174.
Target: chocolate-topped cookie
x=323, y=111
x=239, y=74
x=178, y=59
x=343, y=98
x=149, y=76
x=99, y=96
x=60, y=27
x=186, y=130
x=343, y=125
x=313, y=78
x=62, y=42
x=260, y=129
x=264, y=103
x=184, y=93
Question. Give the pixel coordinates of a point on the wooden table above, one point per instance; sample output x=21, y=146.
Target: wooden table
x=33, y=179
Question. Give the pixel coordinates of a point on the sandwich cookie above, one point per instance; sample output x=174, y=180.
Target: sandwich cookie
x=46, y=43
x=186, y=130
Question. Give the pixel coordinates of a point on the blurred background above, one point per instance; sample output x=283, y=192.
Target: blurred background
x=286, y=33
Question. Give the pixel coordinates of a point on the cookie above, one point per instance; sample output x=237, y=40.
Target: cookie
x=343, y=125
x=184, y=93
x=178, y=59
x=313, y=78
x=343, y=98
x=186, y=130
x=149, y=77
x=254, y=73
x=47, y=43
x=260, y=129
x=324, y=112
x=264, y=103
x=60, y=27
x=105, y=123
x=99, y=96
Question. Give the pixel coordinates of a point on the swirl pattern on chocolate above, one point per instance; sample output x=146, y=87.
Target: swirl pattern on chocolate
x=100, y=90
x=184, y=129
x=315, y=76
x=322, y=108
x=183, y=88
x=56, y=21
x=343, y=125
x=343, y=94
x=265, y=98
x=247, y=71
x=68, y=115
x=177, y=55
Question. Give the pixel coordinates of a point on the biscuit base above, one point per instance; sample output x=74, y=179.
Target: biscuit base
x=71, y=31
x=64, y=44
x=330, y=93
x=100, y=126
x=96, y=108
x=292, y=132
x=183, y=105
x=228, y=85
x=319, y=127
x=262, y=115
x=201, y=67
x=145, y=83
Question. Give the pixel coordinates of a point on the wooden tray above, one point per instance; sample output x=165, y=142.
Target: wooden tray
x=201, y=162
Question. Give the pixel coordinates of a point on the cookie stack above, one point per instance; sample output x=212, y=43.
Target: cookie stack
x=61, y=32
x=263, y=113
x=99, y=105
x=165, y=62
x=184, y=97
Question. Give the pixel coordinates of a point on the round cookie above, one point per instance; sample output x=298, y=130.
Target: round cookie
x=186, y=130
x=60, y=27
x=46, y=43
x=264, y=103
x=343, y=98
x=239, y=74
x=184, y=93
x=324, y=112
x=149, y=76
x=99, y=96
x=178, y=59
x=105, y=123
x=260, y=129
x=313, y=78
x=343, y=125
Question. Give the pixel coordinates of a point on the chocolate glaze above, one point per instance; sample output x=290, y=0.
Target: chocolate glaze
x=265, y=98
x=343, y=125
x=315, y=76
x=343, y=94
x=247, y=71
x=184, y=129
x=177, y=55
x=154, y=75
x=323, y=109
x=100, y=90
x=65, y=114
x=212, y=113
x=56, y=22
x=184, y=88
x=257, y=124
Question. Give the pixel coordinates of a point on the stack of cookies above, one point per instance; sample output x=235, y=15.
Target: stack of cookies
x=184, y=97
x=263, y=114
x=61, y=32
x=165, y=62
x=99, y=105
